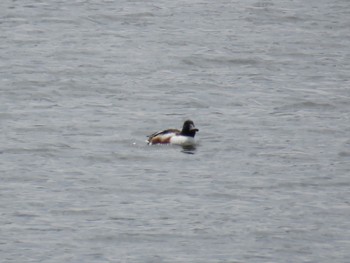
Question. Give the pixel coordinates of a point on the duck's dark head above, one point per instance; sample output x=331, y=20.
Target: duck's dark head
x=189, y=129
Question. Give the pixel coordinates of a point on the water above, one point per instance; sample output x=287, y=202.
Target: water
x=84, y=82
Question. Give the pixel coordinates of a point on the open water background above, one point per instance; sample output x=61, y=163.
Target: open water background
x=83, y=82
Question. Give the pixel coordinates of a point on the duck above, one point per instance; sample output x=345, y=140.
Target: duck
x=185, y=137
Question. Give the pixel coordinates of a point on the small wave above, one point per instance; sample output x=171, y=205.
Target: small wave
x=306, y=105
x=217, y=61
x=344, y=154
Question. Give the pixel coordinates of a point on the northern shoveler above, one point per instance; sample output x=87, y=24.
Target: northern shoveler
x=184, y=137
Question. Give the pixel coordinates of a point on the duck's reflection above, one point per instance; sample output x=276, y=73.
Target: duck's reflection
x=189, y=149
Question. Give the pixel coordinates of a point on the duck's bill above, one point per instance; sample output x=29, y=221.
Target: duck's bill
x=192, y=128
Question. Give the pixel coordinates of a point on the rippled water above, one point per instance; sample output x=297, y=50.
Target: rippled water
x=84, y=82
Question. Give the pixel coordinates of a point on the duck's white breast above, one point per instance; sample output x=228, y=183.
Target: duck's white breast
x=182, y=140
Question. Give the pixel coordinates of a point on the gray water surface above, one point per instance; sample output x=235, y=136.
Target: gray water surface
x=266, y=82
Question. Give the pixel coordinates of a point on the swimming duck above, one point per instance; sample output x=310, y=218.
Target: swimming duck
x=185, y=137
